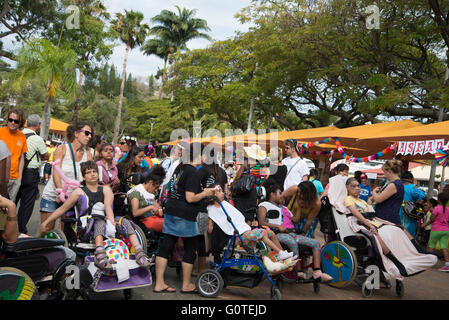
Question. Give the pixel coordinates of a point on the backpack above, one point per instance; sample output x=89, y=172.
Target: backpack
x=27, y=162
x=413, y=210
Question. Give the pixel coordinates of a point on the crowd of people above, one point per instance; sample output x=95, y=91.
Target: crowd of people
x=175, y=191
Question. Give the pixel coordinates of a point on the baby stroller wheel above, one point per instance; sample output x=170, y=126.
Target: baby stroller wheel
x=366, y=292
x=209, y=283
x=399, y=288
x=128, y=294
x=276, y=293
x=141, y=237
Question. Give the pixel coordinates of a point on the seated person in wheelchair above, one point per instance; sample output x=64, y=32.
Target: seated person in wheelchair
x=9, y=229
x=100, y=203
x=399, y=255
x=248, y=234
x=142, y=201
x=283, y=226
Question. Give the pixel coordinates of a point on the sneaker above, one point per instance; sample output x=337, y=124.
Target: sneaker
x=444, y=269
x=283, y=255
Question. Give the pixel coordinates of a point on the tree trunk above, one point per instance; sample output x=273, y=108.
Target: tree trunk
x=78, y=97
x=120, y=102
x=163, y=80
x=45, y=126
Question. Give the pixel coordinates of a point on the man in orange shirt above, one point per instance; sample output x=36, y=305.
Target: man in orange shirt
x=16, y=142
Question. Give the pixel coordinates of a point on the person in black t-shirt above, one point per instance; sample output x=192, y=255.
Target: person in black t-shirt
x=210, y=174
x=181, y=209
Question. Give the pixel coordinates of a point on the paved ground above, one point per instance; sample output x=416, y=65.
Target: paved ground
x=429, y=285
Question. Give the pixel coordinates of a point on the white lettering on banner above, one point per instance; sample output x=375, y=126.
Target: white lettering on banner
x=430, y=147
x=409, y=148
x=401, y=147
x=419, y=148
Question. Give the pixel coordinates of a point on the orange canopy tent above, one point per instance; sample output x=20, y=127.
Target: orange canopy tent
x=57, y=126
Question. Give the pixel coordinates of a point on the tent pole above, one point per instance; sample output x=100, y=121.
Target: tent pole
x=434, y=162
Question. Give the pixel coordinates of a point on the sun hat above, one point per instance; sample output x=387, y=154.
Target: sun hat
x=255, y=152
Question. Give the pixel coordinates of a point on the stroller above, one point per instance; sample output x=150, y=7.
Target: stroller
x=242, y=267
x=37, y=269
x=78, y=236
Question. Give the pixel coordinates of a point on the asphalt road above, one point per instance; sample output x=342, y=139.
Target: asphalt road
x=429, y=285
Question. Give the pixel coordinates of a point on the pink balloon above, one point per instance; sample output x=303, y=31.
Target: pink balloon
x=73, y=184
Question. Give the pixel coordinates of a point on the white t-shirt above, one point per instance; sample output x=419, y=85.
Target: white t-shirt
x=4, y=150
x=270, y=206
x=294, y=176
x=219, y=217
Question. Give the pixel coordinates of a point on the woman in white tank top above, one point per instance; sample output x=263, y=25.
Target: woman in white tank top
x=78, y=136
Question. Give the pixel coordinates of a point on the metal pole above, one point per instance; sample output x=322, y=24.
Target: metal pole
x=434, y=162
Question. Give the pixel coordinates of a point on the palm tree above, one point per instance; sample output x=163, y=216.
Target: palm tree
x=162, y=49
x=131, y=32
x=54, y=66
x=172, y=32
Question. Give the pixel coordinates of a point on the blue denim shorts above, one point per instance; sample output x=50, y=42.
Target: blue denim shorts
x=48, y=205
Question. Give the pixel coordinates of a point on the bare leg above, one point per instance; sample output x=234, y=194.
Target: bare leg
x=161, y=265
x=99, y=241
x=187, y=284
x=271, y=244
x=446, y=255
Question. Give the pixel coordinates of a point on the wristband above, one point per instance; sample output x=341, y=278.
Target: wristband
x=8, y=218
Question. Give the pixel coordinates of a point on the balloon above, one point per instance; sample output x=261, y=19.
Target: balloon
x=73, y=184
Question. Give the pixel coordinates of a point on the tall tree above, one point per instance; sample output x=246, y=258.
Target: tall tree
x=132, y=32
x=89, y=40
x=23, y=17
x=172, y=32
x=54, y=66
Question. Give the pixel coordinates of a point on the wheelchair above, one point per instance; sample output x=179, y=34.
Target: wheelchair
x=350, y=257
x=78, y=235
x=36, y=269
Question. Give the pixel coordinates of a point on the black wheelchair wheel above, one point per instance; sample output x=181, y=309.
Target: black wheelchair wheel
x=209, y=283
x=399, y=288
x=128, y=294
x=316, y=287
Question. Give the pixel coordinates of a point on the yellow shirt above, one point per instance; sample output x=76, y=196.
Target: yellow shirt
x=51, y=152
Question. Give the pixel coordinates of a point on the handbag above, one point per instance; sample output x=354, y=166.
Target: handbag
x=244, y=185
x=413, y=210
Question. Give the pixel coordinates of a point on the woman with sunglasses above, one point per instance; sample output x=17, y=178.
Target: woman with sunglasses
x=108, y=174
x=71, y=154
x=128, y=168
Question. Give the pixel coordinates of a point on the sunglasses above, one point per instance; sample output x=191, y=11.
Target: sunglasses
x=14, y=120
x=87, y=133
x=122, y=143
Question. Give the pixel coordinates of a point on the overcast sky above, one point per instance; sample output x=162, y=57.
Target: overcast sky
x=219, y=15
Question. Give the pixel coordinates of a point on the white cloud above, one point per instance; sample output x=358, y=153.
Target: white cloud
x=218, y=14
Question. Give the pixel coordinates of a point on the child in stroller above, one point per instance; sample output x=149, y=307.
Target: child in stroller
x=249, y=234
x=100, y=204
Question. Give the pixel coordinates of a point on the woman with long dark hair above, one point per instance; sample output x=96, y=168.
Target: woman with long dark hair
x=181, y=210
x=128, y=170
x=308, y=206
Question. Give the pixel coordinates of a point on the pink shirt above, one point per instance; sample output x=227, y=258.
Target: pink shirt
x=287, y=221
x=442, y=219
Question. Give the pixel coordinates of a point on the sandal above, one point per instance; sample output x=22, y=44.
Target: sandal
x=142, y=259
x=101, y=260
